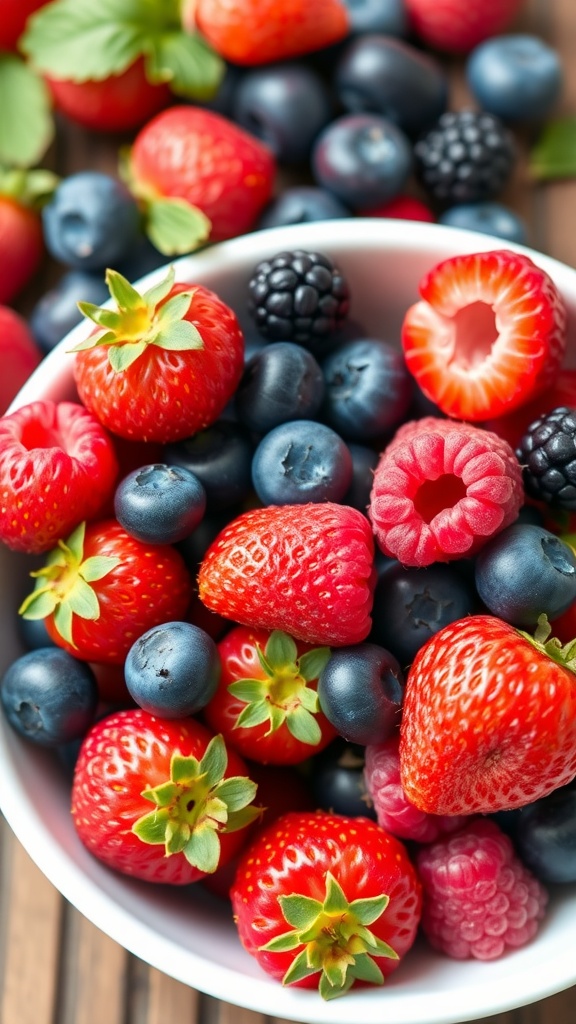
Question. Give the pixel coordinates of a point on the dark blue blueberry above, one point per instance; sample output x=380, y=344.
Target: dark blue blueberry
x=410, y=605
x=91, y=222
x=361, y=691
x=516, y=77
x=159, y=504
x=530, y=514
x=301, y=461
x=364, y=462
x=302, y=204
x=368, y=389
x=223, y=101
x=173, y=670
x=56, y=313
x=526, y=571
x=284, y=105
x=337, y=780
x=545, y=836
x=221, y=458
x=363, y=159
x=49, y=697
x=195, y=545
x=142, y=258
x=489, y=218
x=33, y=633
x=388, y=16
x=380, y=75
x=282, y=382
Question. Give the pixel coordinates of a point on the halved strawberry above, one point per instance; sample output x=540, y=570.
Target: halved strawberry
x=488, y=334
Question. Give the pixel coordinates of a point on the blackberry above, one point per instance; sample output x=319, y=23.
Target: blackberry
x=298, y=296
x=466, y=157
x=547, y=453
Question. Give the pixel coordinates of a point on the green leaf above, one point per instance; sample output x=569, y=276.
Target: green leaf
x=102, y=337
x=369, y=910
x=63, y=621
x=366, y=969
x=179, y=337
x=248, y=690
x=32, y=188
x=237, y=792
x=26, y=126
x=177, y=836
x=202, y=850
x=303, y=726
x=184, y=770
x=107, y=318
x=277, y=717
x=162, y=795
x=38, y=605
x=309, y=699
x=282, y=943
x=75, y=543
x=335, y=902
x=121, y=357
x=312, y=663
x=127, y=298
x=98, y=566
x=214, y=761
x=187, y=63
x=281, y=651
x=175, y=308
x=300, y=911
x=554, y=154
x=151, y=828
x=155, y=295
x=240, y=819
x=298, y=969
x=253, y=714
x=175, y=227
x=83, y=601
x=214, y=810
x=380, y=948
x=264, y=661
x=328, y=991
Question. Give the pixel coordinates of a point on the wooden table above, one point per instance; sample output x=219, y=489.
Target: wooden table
x=56, y=967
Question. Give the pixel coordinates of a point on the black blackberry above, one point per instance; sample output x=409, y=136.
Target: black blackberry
x=298, y=296
x=466, y=157
x=547, y=453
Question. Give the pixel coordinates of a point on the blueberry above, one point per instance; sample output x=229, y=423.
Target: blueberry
x=380, y=75
x=282, y=382
x=56, y=313
x=142, y=258
x=195, y=545
x=221, y=458
x=530, y=514
x=368, y=388
x=159, y=504
x=301, y=461
x=489, y=218
x=302, y=204
x=363, y=159
x=285, y=105
x=223, y=100
x=364, y=462
x=526, y=571
x=173, y=670
x=91, y=222
x=33, y=633
x=337, y=780
x=388, y=16
x=49, y=697
x=360, y=691
x=545, y=836
x=516, y=77
x=411, y=605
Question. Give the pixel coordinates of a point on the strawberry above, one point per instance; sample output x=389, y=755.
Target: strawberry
x=118, y=103
x=305, y=569
x=101, y=589
x=266, y=705
x=205, y=161
x=21, y=240
x=488, y=334
x=402, y=208
x=19, y=354
x=456, y=26
x=160, y=800
x=164, y=364
x=262, y=31
x=489, y=718
x=323, y=901
x=57, y=467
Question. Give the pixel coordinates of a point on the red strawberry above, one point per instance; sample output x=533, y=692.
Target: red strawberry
x=57, y=467
x=195, y=155
x=489, y=719
x=164, y=365
x=324, y=901
x=15, y=14
x=441, y=490
x=488, y=335
x=262, y=31
x=21, y=245
x=266, y=705
x=402, y=208
x=19, y=354
x=102, y=589
x=305, y=569
x=456, y=26
x=117, y=103
x=160, y=800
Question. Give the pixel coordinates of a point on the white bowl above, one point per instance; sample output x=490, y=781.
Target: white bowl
x=189, y=934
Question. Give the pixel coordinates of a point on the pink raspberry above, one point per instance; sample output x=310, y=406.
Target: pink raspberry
x=441, y=490
x=394, y=811
x=479, y=899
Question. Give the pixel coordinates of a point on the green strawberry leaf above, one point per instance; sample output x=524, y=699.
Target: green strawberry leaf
x=248, y=690
x=32, y=188
x=179, y=337
x=98, y=566
x=366, y=969
x=281, y=651
x=151, y=829
x=83, y=600
x=282, y=943
x=237, y=792
x=369, y=910
x=301, y=912
x=26, y=125
x=122, y=356
x=253, y=714
x=214, y=761
x=187, y=63
x=38, y=605
x=335, y=901
x=312, y=663
x=202, y=850
x=554, y=154
x=63, y=621
x=174, y=226
x=126, y=297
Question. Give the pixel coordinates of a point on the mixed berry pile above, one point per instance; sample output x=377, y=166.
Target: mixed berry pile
x=291, y=635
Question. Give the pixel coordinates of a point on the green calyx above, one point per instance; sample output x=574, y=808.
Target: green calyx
x=31, y=188
x=562, y=654
x=283, y=696
x=336, y=938
x=63, y=585
x=140, y=320
x=553, y=156
x=195, y=805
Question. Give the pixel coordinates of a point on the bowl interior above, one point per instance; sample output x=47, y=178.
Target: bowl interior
x=189, y=934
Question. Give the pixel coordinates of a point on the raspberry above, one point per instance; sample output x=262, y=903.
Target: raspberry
x=547, y=452
x=479, y=899
x=441, y=490
x=394, y=811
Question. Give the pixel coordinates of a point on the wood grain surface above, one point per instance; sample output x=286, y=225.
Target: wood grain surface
x=56, y=967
